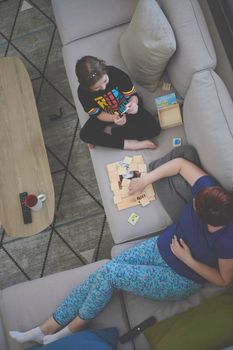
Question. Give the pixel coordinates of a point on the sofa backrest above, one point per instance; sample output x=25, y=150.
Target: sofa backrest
x=195, y=50
x=77, y=19
x=208, y=121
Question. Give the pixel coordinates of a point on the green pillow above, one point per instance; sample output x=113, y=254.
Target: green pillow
x=208, y=326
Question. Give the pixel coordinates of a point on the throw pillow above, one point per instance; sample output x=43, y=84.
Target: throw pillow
x=90, y=339
x=207, y=326
x=147, y=44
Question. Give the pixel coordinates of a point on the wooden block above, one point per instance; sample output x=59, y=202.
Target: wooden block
x=124, y=192
x=133, y=167
x=138, y=159
x=149, y=191
x=140, y=196
x=127, y=203
x=125, y=183
x=127, y=160
x=170, y=116
x=114, y=186
x=121, y=170
x=111, y=167
x=117, y=199
x=142, y=168
x=113, y=177
x=166, y=86
x=144, y=201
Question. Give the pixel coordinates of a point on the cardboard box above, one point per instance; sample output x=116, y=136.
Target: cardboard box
x=170, y=116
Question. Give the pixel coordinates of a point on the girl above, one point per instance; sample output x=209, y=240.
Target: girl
x=117, y=117
x=195, y=249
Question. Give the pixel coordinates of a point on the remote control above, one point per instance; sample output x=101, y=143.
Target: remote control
x=27, y=218
x=137, y=329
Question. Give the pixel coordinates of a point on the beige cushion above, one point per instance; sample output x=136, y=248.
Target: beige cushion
x=76, y=19
x=208, y=111
x=147, y=44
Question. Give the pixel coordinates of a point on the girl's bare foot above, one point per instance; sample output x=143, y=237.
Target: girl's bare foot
x=136, y=145
x=90, y=146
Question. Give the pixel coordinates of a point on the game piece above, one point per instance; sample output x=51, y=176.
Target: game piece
x=120, y=175
x=176, y=142
x=149, y=191
x=144, y=201
x=138, y=159
x=114, y=185
x=127, y=160
x=125, y=183
x=133, y=167
x=133, y=219
x=124, y=192
x=142, y=168
x=117, y=199
x=166, y=86
x=121, y=170
x=111, y=167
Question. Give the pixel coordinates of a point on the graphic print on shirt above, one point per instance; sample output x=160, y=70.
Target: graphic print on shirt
x=112, y=101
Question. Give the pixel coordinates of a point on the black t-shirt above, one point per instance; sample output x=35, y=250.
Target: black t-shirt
x=113, y=99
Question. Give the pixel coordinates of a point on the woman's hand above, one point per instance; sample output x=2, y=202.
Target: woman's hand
x=136, y=185
x=119, y=120
x=180, y=249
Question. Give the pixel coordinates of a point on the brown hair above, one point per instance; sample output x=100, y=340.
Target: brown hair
x=89, y=70
x=215, y=206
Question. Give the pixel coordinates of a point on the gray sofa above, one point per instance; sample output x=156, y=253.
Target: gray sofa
x=95, y=27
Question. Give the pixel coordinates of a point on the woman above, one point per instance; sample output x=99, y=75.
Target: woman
x=117, y=117
x=195, y=249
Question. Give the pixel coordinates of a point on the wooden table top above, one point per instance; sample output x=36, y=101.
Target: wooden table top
x=24, y=164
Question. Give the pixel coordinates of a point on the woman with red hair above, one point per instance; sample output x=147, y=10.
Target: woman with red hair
x=196, y=248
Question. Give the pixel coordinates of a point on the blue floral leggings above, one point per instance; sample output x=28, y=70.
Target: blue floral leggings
x=140, y=270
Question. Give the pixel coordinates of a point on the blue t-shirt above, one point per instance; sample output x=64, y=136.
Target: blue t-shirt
x=205, y=246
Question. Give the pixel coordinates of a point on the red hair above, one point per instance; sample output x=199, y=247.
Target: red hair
x=215, y=206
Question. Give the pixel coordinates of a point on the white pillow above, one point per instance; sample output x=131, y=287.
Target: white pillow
x=147, y=44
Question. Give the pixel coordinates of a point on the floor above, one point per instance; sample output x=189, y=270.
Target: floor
x=80, y=233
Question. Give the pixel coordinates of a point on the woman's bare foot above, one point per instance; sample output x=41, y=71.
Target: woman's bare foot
x=136, y=145
x=90, y=146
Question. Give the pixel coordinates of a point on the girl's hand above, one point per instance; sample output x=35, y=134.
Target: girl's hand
x=119, y=120
x=180, y=249
x=136, y=185
x=132, y=107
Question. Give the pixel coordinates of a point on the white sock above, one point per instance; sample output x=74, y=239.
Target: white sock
x=52, y=337
x=34, y=334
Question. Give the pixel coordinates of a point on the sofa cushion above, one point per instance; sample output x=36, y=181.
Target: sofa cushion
x=89, y=339
x=207, y=326
x=195, y=49
x=28, y=304
x=147, y=44
x=208, y=120
x=76, y=19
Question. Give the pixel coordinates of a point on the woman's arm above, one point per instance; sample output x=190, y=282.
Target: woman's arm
x=221, y=277
x=185, y=168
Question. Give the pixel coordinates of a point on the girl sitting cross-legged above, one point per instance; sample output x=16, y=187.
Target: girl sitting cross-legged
x=117, y=117
x=198, y=247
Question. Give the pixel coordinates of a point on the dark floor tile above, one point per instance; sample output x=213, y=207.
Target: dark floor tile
x=8, y=11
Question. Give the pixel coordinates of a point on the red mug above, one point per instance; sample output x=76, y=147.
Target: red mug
x=34, y=202
x=30, y=200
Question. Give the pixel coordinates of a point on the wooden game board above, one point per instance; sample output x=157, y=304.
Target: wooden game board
x=120, y=174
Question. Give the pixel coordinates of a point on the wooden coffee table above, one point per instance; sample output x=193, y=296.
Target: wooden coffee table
x=24, y=164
